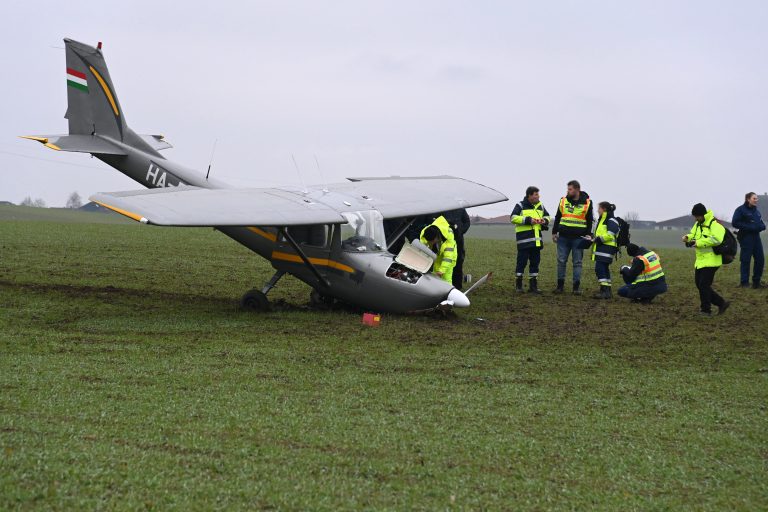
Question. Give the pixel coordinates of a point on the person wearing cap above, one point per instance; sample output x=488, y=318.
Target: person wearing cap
x=748, y=220
x=605, y=247
x=705, y=234
x=438, y=236
x=570, y=231
x=529, y=217
x=644, y=276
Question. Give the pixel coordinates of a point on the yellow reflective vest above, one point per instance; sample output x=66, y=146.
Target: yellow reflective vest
x=446, y=252
x=651, y=268
x=573, y=215
x=607, y=230
x=528, y=235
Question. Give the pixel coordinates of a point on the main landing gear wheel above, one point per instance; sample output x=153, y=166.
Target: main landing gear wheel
x=254, y=300
x=320, y=301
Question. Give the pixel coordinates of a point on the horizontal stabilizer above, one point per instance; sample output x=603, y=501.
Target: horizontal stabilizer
x=156, y=142
x=77, y=143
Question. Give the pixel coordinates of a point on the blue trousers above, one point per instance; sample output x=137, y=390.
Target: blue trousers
x=603, y=272
x=566, y=246
x=642, y=291
x=752, y=247
x=524, y=256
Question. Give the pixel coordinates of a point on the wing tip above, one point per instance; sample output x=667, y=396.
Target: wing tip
x=130, y=215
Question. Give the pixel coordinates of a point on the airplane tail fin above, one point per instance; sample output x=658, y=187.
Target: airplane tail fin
x=93, y=107
x=96, y=121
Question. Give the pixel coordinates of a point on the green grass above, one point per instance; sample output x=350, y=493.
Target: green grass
x=129, y=380
x=63, y=215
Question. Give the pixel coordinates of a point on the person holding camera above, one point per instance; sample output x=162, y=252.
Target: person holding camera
x=706, y=234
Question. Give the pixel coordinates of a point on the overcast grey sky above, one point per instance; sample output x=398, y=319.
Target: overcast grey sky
x=652, y=105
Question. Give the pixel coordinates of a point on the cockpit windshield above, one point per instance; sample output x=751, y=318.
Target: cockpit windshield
x=364, y=231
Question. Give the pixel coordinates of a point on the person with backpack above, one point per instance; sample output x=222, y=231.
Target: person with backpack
x=705, y=235
x=644, y=277
x=605, y=247
x=748, y=220
x=529, y=217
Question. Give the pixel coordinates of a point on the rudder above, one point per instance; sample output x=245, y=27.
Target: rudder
x=92, y=107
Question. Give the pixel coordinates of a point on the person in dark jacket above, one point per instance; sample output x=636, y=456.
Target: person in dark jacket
x=644, y=277
x=459, y=222
x=748, y=220
x=571, y=231
x=529, y=217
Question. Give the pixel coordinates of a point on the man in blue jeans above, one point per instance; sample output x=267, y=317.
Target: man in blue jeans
x=749, y=222
x=573, y=222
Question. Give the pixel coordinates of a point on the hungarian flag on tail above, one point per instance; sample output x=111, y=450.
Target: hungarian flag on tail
x=77, y=80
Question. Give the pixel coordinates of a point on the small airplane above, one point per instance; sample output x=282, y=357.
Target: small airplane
x=331, y=237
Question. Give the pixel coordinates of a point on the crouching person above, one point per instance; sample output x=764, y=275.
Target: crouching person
x=644, y=278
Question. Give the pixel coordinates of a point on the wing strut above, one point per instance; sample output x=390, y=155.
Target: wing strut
x=304, y=258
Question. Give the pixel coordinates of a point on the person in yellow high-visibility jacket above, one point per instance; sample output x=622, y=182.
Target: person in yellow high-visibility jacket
x=705, y=235
x=438, y=236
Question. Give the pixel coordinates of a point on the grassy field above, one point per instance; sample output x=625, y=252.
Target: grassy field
x=129, y=380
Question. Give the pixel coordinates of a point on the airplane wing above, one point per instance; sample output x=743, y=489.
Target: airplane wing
x=194, y=206
x=406, y=197
x=393, y=197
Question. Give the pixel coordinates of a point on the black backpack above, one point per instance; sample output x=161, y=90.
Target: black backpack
x=622, y=239
x=728, y=247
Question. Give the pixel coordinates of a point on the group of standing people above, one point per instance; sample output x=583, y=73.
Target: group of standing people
x=574, y=230
x=644, y=279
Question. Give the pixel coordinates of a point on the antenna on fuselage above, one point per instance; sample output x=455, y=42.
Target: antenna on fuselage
x=322, y=177
x=298, y=171
x=210, y=162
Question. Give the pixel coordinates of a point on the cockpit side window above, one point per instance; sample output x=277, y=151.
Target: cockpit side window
x=364, y=231
x=315, y=235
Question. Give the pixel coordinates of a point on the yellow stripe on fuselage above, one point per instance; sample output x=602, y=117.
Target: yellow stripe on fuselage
x=269, y=236
x=106, y=90
x=323, y=262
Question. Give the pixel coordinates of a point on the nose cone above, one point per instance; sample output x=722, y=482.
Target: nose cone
x=459, y=299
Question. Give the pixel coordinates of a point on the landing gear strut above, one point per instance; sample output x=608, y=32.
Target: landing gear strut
x=256, y=300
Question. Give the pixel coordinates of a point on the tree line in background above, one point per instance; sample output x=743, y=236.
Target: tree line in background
x=73, y=202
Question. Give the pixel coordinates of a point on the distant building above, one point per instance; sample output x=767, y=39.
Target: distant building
x=685, y=222
x=762, y=204
x=501, y=219
x=642, y=224
x=93, y=207
x=6, y=203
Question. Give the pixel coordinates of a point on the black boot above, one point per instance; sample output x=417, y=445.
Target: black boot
x=576, y=287
x=519, y=284
x=533, y=286
x=560, y=286
x=607, y=292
